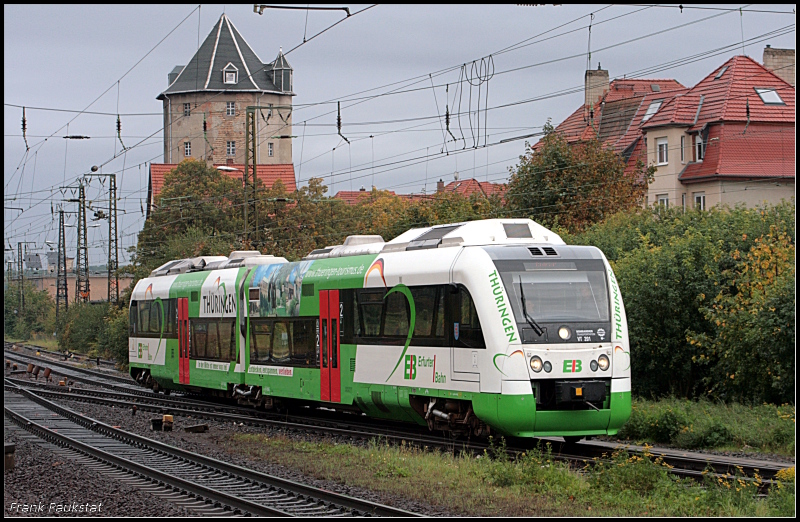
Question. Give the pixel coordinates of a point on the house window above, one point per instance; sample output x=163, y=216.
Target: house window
x=231, y=148
x=683, y=149
x=187, y=109
x=187, y=148
x=230, y=109
x=269, y=149
x=769, y=96
x=662, y=149
x=663, y=199
x=698, y=144
x=652, y=109
x=699, y=200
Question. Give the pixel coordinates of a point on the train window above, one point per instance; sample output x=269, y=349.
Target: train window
x=198, y=340
x=133, y=318
x=260, y=341
x=155, y=317
x=425, y=303
x=470, y=334
x=303, y=343
x=281, y=342
x=144, y=316
x=370, y=304
x=227, y=340
x=334, y=337
x=396, y=323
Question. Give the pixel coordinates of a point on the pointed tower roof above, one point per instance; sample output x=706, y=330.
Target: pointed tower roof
x=224, y=62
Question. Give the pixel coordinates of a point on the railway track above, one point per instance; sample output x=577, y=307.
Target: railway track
x=683, y=463
x=200, y=478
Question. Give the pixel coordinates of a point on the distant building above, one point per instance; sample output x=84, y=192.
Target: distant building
x=729, y=139
x=205, y=105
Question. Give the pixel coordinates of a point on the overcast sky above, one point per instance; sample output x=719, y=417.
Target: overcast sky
x=394, y=68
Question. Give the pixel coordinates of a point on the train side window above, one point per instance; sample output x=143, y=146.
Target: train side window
x=260, y=341
x=227, y=350
x=440, y=313
x=198, y=340
x=303, y=343
x=334, y=342
x=281, y=346
x=171, y=309
x=425, y=302
x=370, y=304
x=470, y=334
x=155, y=316
x=133, y=318
x=144, y=316
x=396, y=324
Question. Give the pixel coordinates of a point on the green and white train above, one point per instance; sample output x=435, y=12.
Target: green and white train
x=476, y=327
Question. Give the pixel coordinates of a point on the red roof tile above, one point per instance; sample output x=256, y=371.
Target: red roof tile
x=762, y=151
x=268, y=174
x=726, y=98
x=468, y=187
x=353, y=197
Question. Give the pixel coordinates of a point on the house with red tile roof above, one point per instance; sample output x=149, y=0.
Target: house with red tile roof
x=471, y=186
x=354, y=197
x=267, y=174
x=727, y=140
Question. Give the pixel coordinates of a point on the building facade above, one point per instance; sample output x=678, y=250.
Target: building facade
x=730, y=139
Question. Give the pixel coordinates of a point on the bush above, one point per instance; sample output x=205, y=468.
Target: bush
x=709, y=298
x=82, y=327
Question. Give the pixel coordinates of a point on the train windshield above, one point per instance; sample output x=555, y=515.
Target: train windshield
x=561, y=291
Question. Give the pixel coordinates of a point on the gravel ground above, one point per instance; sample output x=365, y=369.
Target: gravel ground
x=215, y=444
x=42, y=477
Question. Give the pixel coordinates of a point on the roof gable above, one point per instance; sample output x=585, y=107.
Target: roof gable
x=224, y=46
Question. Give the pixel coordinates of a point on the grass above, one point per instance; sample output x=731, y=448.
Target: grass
x=708, y=425
x=533, y=485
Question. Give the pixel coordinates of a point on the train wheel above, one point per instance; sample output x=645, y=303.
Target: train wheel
x=572, y=439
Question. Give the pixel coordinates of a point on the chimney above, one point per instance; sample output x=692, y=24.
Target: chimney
x=362, y=189
x=440, y=186
x=596, y=85
x=781, y=63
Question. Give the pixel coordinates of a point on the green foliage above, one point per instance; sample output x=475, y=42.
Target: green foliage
x=573, y=186
x=82, y=327
x=704, y=424
x=198, y=204
x=38, y=316
x=113, y=338
x=683, y=276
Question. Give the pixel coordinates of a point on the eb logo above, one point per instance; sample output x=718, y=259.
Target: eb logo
x=572, y=366
x=411, y=367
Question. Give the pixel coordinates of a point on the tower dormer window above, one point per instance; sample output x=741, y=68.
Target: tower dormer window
x=230, y=74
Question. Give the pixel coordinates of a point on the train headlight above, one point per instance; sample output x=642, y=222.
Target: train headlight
x=603, y=362
x=536, y=364
x=564, y=332
x=547, y=366
x=593, y=366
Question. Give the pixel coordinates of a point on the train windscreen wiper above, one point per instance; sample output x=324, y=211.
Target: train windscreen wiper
x=529, y=319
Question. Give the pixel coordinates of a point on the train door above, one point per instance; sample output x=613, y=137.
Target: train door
x=183, y=340
x=329, y=322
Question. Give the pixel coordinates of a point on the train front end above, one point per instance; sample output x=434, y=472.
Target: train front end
x=571, y=341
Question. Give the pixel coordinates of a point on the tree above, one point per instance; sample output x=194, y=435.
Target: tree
x=197, y=202
x=573, y=185
x=38, y=316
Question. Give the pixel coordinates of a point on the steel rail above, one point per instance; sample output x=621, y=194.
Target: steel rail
x=336, y=502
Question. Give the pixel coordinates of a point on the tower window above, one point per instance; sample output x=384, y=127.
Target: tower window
x=187, y=109
x=230, y=74
x=231, y=148
x=230, y=109
x=270, y=150
x=187, y=148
